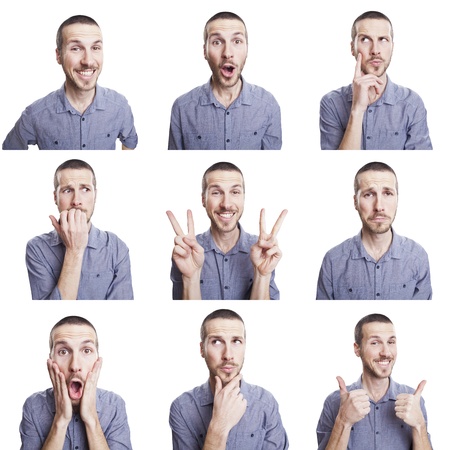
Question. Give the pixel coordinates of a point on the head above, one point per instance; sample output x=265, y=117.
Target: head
x=223, y=195
x=373, y=37
x=222, y=344
x=79, y=50
x=376, y=345
x=74, y=348
x=225, y=47
x=75, y=186
x=376, y=197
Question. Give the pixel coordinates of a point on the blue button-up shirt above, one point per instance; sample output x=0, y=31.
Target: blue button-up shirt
x=381, y=429
x=260, y=428
x=224, y=276
x=39, y=412
x=105, y=272
x=348, y=272
x=52, y=123
x=199, y=122
x=396, y=121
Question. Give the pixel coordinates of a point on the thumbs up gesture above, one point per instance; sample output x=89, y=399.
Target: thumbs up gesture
x=355, y=405
x=407, y=407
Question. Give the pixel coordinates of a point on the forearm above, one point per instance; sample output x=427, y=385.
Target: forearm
x=420, y=438
x=56, y=437
x=261, y=287
x=191, y=288
x=69, y=278
x=340, y=436
x=95, y=436
x=216, y=438
x=353, y=133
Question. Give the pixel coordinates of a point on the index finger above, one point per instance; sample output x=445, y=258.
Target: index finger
x=358, y=66
x=278, y=223
x=175, y=225
x=262, y=222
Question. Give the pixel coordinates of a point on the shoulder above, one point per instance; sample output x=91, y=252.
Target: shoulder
x=259, y=394
x=111, y=96
x=109, y=399
x=410, y=247
x=259, y=93
x=39, y=399
x=49, y=101
x=41, y=239
x=344, y=92
x=342, y=249
x=192, y=96
x=189, y=397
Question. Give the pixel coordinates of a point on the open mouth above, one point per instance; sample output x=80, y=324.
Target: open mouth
x=75, y=390
x=228, y=70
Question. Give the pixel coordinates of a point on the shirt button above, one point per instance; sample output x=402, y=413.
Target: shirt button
x=228, y=113
x=228, y=140
x=368, y=137
x=227, y=287
x=255, y=133
x=378, y=267
x=378, y=294
x=350, y=290
x=83, y=119
x=226, y=259
x=84, y=145
x=370, y=110
x=199, y=137
x=56, y=142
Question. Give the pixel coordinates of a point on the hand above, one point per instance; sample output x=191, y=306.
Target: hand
x=367, y=88
x=63, y=404
x=265, y=254
x=407, y=407
x=73, y=229
x=88, y=405
x=229, y=404
x=355, y=405
x=187, y=254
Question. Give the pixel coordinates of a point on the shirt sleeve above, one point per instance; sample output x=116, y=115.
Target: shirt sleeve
x=423, y=289
x=21, y=135
x=331, y=129
x=43, y=283
x=325, y=283
x=121, y=287
x=325, y=424
x=128, y=135
x=276, y=437
x=272, y=139
x=29, y=435
x=175, y=134
x=418, y=137
x=183, y=437
x=177, y=282
x=117, y=431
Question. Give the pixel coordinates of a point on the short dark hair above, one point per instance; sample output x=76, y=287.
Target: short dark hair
x=371, y=15
x=73, y=164
x=86, y=20
x=378, y=167
x=72, y=320
x=219, y=314
x=223, y=15
x=368, y=319
x=226, y=166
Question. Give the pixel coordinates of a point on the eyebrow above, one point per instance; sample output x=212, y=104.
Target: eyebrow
x=218, y=186
x=78, y=41
x=219, y=34
x=64, y=342
x=379, y=337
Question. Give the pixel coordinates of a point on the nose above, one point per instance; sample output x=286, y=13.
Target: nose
x=227, y=51
x=379, y=205
x=385, y=351
x=375, y=48
x=74, y=364
x=76, y=199
x=87, y=59
x=227, y=353
x=226, y=201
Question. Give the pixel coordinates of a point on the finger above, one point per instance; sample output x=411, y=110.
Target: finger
x=262, y=222
x=278, y=223
x=190, y=221
x=341, y=383
x=96, y=369
x=55, y=223
x=358, y=66
x=420, y=388
x=175, y=225
x=218, y=387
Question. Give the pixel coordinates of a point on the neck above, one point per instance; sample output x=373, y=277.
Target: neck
x=225, y=240
x=376, y=388
x=226, y=95
x=375, y=244
x=79, y=99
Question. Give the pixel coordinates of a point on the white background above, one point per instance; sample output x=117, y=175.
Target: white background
x=297, y=346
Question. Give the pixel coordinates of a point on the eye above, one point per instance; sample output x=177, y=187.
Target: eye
x=88, y=351
x=62, y=352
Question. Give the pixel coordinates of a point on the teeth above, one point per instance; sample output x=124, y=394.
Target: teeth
x=86, y=73
x=226, y=215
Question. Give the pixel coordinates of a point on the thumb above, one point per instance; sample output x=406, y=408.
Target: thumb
x=420, y=388
x=342, y=386
x=218, y=387
x=55, y=223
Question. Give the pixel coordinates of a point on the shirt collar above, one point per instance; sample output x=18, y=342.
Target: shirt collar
x=359, y=252
x=242, y=245
x=63, y=105
x=208, y=98
x=391, y=393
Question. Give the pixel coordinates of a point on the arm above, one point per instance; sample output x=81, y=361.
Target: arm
x=73, y=229
x=265, y=255
x=418, y=133
x=21, y=135
x=121, y=287
x=423, y=290
x=175, y=134
x=188, y=255
x=128, y=136
x=324, y=282
x=408, y=408
x=367, y=89
x=272, y=139
x=228, y=409
x=354, y=406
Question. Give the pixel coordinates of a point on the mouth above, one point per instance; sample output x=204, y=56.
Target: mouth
x=86, y=73
x=384, y=362
x=75, y=389
x=226, y=215
x=227, y=369
x=228, y=70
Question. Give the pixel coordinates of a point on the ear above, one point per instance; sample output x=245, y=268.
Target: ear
x=58, y=56
x=202, y=350
x=357, y=350
x=352, y=49
x=203, y=201
x=355, y=202
x=54, y=197
x=204, y=51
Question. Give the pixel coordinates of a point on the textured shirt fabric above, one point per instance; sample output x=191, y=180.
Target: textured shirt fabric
x=199, y=122
x=260, y=428
x=105, y=273
x=396, y=121
x=52, y=123
x=224, y=276
x=348, y=272
x=39, y=412
x=381, y=429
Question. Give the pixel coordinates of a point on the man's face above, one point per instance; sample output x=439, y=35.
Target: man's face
x=81, y=55
x=76, y=190
x=226, y=50
x=373, y=40
x=378, y=350
x=376, y=200
x=224, y=348
x=75, y=352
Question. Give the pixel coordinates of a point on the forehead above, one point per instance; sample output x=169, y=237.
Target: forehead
x=81, y=32
x=222, y=327
x=376, y=179
x=75, y=176
x=375, y=27
x=225, y=26
x=73, y=334
x=223, y=177
x=380, y=329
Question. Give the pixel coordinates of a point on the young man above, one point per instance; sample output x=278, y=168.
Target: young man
x=226, y=412
x=81, y=115
x=373, y=113
x=74, y=413
x=375, y=412
x=225, y=262
x=77, y=261
x=227, y=113
x=376, y=264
